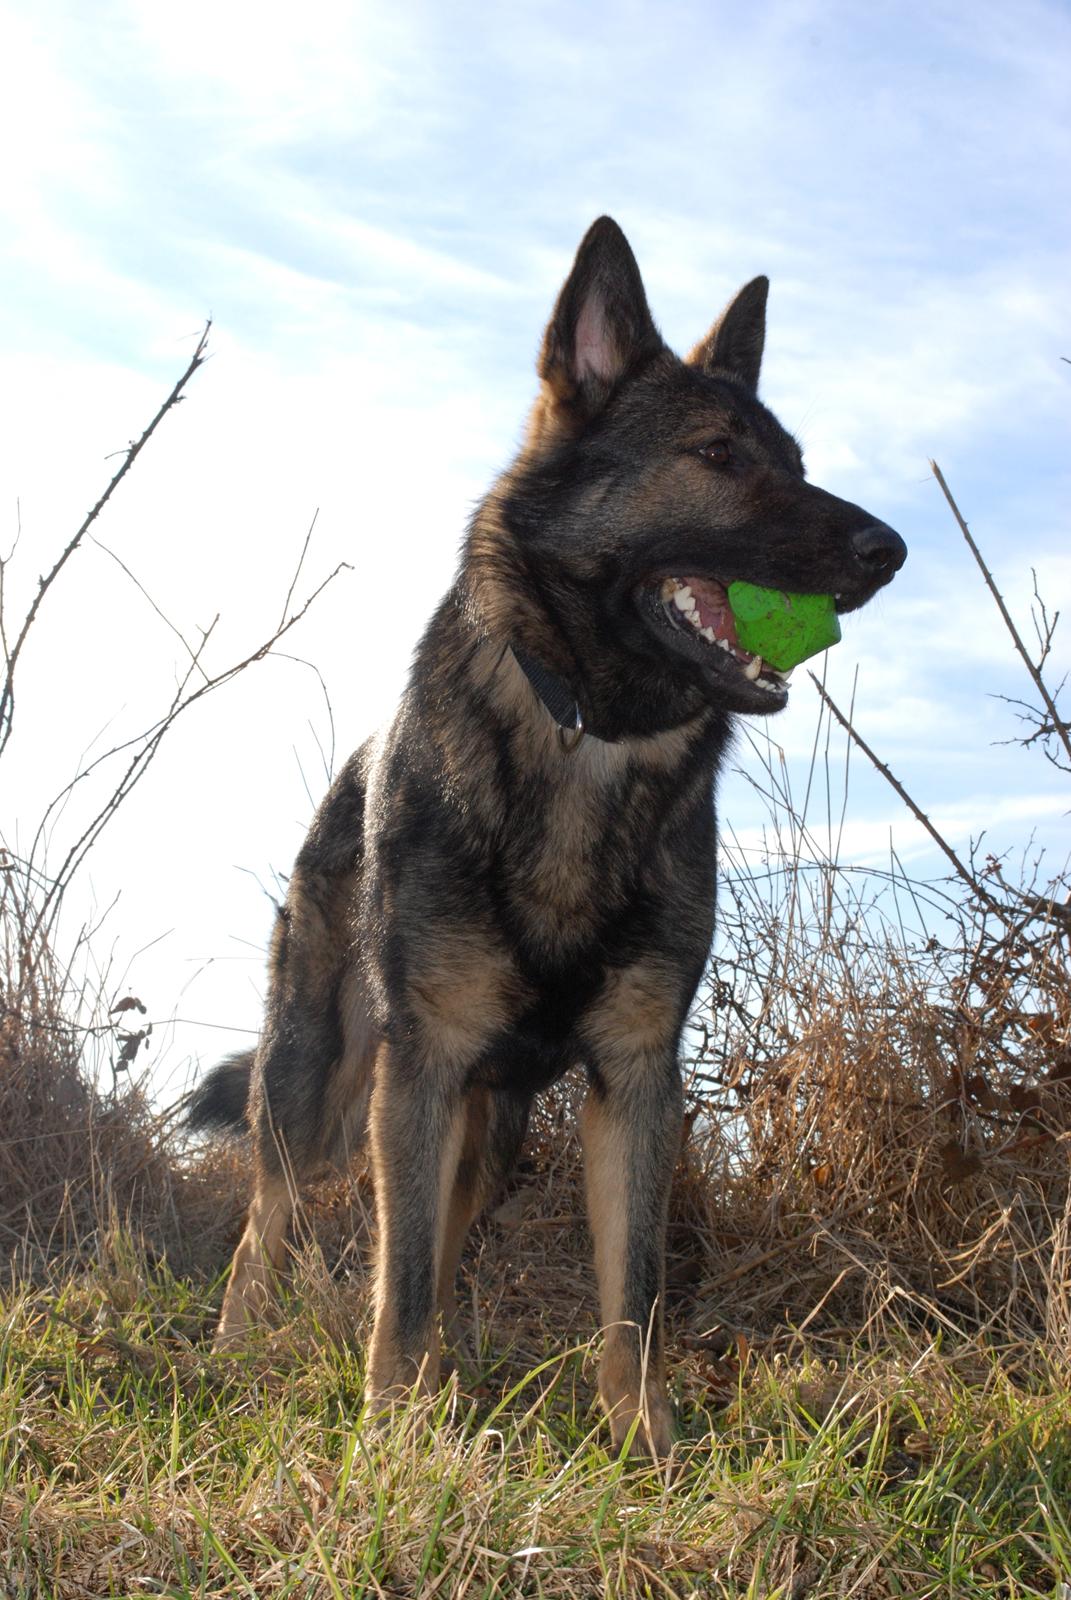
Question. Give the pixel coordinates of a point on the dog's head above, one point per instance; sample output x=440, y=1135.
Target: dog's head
x=647, y=485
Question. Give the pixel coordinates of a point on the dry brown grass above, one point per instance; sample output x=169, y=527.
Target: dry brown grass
x=893, y=1114
x=83, y=1149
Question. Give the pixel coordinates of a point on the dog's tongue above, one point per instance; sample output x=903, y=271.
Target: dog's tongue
x=712, y=603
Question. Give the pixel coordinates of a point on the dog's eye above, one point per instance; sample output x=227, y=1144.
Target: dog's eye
x=717, y=452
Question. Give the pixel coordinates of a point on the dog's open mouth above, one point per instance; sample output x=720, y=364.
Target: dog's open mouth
x=699, y=608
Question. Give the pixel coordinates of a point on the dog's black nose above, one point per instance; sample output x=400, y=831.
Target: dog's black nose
x=881, y=551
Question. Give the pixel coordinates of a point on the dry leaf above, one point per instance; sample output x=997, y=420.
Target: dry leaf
x=977, y=1086
x=958, y=1164
x=1024, y=1100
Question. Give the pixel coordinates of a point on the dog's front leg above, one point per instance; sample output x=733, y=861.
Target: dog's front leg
x=630, y=1125
x=417, y=1124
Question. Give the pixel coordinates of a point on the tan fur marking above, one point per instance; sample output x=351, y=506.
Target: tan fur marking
x=565, y=906
x=349, y=1087
x=256, y=1261
x=634, y=1015
x=392, y=1370
x=463, y=1206
x=461, y=994
x=686, y=485
x=629, y=1384
x=606, y=1185
x=548, y=421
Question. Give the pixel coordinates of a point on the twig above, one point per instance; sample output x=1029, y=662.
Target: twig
x=150, y=743
x=297, y=569
x=916, y=811
x=11, y=657
x=4, y=560
x=1060, y=728
x=164, y=618
x=804, y=1237
x=1030, y=905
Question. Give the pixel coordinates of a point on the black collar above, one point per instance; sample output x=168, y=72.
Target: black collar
x=554, y=692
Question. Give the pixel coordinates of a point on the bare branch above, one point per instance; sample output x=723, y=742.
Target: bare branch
x=916, y=811
x=1061, y=729
x=3, y=569
x=136, y=581
x=1045, y=630
x=297, y=569
x=146, y=746
x=7, y=694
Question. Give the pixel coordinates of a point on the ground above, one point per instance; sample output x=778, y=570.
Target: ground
x=899, y=1458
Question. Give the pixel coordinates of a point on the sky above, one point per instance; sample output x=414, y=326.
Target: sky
x=376, y=205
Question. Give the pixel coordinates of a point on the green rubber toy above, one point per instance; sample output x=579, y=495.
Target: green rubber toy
x=784, y=629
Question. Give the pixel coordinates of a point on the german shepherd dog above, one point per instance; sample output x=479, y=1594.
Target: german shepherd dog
x=517, y=877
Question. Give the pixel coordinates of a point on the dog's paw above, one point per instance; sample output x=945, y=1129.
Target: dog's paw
x=646, y=1428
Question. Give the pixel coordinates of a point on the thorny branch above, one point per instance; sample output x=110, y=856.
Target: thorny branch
x=11, y=656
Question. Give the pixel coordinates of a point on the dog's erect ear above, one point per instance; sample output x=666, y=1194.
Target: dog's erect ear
x=601, y=327
x=734, y=344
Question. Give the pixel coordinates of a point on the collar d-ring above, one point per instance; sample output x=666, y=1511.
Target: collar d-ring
x=557, y=698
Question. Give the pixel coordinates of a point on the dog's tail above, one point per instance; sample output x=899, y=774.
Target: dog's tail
x=219, y=1104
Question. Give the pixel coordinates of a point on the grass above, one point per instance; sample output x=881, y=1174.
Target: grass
x=134, y=1462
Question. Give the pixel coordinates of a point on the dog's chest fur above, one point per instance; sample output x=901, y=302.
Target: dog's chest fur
x=510, y=877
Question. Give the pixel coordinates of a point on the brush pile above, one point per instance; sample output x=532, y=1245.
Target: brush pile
x=888, y=1122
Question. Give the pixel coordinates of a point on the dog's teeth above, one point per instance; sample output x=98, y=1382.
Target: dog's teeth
x=668, y=586
x=708, y=633
x=682, y=599
x=693, y=617
x=753, y=668
x=723, y=644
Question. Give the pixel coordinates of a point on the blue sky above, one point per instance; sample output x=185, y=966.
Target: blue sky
x=377, y=204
